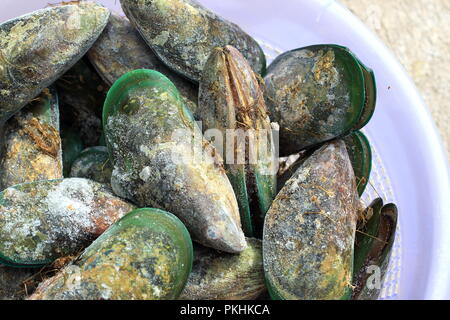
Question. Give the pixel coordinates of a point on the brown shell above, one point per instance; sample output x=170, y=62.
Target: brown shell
x=32, y=149
x=221, y=276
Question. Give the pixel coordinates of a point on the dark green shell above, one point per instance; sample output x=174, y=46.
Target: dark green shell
x=223, y=276
x=231, y=101
x=93, y=163
x=121, y=49
x=160, y=159
x=182, y=33
x=360, y=153
x=37, y=48
x=102, y=141
x=370, y=89
x=32, y=149
x=2, y=138
x=147, y=255
x=82, y=94
x=72, y=145
x=318, y=93
x=370, y=98
x=44, y=220
x=373, y=246
x=309, y=230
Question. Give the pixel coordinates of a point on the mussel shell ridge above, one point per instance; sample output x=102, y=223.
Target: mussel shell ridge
x=360, y=153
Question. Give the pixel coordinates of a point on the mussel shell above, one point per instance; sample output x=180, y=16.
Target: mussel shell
x=72, y=145
x=93, y=163
x=44, y=220
x=309, y=230
x=121, y=49
x=369, y=221
x=146, y=255
x=231, y=100
x=371, y=96
x=360, y=153
x=223, y=276
x=182, y=33
x=32, y=143
x=37, y=48
x=160, y=159
x=315, y=93
x=373, y=247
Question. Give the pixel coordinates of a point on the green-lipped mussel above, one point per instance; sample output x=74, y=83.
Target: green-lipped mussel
x=160, y=159
x=174, y=62
x=231, y=105
x=146, y=255
x=309, y=230
x=37, y=48
x=43, y=220
x=182, y=33
x=318, y=93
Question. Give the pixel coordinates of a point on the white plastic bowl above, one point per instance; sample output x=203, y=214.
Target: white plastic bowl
x=410, y=166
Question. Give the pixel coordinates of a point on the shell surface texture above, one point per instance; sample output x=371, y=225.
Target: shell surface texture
x=221, y=276
x=182, y=33
x=309, y=230
x=121, y=49
x=146, y=255
x=32, y=143
x=37, y=48
x=318, y=93
x=43, y=220
x=160, y=159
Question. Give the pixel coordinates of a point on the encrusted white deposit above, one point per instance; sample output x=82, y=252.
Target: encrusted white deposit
x=43, y=220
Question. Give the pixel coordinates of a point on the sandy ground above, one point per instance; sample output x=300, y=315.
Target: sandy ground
x=418, y=32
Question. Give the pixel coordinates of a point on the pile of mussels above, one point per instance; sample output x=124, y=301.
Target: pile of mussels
x=109, y=168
